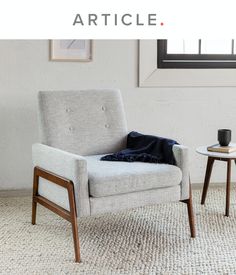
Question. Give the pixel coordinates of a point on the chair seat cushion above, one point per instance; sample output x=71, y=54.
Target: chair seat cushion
x=108, y=178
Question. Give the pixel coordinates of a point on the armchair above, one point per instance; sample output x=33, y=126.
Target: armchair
x=77, y=128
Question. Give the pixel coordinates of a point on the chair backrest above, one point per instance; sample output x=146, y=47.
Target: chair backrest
x=85, y=122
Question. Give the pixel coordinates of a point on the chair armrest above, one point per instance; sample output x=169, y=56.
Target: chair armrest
x=70, y=166
x=182, y=161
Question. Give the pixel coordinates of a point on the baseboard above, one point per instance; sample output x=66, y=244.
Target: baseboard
x=15, y=193
x=197, y=186
x=28, y=192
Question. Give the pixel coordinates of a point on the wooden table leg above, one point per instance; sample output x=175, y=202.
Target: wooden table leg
x=228, y=188
x=210, y=163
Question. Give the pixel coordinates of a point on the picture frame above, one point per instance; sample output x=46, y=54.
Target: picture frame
x=71, y=50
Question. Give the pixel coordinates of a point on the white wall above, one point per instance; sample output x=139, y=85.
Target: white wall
x=190, y=115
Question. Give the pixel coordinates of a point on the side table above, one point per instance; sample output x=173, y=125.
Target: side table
x=212, y=156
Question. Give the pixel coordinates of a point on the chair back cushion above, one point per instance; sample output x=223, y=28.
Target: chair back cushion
x=85, y=122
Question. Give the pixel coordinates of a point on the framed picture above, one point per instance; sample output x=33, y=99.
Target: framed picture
x=71, y=50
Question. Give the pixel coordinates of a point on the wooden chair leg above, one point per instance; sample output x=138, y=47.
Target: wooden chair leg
x=191, y=219
x=34, y=209
x=35, y=192
x=191, y=216
x=74, y=223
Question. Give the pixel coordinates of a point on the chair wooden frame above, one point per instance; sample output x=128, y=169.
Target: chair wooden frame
x=191, y=219
x=70, y=216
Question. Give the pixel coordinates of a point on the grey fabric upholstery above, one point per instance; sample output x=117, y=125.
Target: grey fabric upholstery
x=83, y=122
x=67, y=165
x=108, y=178
x=76, y=126
x=134, y=199
x=182, y=161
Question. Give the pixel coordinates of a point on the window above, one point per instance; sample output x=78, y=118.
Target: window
x=150, y=75
x=196, y=53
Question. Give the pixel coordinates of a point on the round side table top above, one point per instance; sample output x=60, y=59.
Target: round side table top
x=203, y=151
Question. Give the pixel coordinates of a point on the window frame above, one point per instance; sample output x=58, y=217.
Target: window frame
x=192, y=61
x=149, y=75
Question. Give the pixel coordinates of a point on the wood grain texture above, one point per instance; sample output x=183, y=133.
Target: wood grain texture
x=228, y=188
x=191, y=218
x=210, y=163
x=70, y=216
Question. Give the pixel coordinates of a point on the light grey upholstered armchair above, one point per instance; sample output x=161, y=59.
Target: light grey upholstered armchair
x=77, y=128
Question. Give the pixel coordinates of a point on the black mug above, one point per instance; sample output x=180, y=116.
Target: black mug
x=224, y=137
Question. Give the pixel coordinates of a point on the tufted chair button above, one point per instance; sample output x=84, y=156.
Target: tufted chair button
x=68, y=110
x=71, y=128
x=103, y=108
x=107, y=125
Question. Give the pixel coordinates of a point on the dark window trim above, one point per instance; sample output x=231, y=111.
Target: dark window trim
x=194, y=61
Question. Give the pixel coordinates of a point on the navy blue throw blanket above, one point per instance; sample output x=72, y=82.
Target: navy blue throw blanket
x=145, y=148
